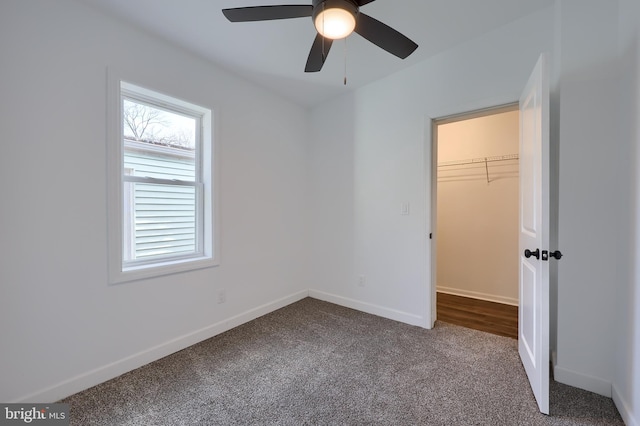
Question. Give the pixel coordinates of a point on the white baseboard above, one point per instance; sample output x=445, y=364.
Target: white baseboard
x=581, y=381
x=117, y=368
x=623, y=408
x=369, y=308
x=477, y=295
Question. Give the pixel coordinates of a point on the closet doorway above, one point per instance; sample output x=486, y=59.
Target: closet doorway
x=477, y=204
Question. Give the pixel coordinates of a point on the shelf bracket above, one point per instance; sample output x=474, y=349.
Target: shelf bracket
x=486, y=168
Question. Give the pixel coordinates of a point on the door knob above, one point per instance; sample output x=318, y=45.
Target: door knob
x=546, y=255
x=557, y=254
x=528, y=253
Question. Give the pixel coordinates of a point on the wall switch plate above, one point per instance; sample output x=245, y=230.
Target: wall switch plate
x=404, y=209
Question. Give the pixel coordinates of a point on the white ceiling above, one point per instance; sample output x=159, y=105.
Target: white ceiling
x=273, y=53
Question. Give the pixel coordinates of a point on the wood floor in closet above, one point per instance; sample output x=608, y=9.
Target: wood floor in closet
x=495, y=318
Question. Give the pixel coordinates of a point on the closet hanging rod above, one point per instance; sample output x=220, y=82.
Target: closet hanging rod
x=482, y=160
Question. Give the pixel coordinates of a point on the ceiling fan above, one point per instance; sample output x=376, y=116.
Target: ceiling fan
x=334, y=20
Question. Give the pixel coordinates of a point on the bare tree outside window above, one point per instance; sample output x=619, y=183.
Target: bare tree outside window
x=155, y=126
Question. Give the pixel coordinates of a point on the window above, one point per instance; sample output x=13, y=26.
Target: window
x=160, y=173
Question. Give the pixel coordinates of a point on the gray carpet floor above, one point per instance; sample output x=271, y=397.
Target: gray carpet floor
x=315, y=363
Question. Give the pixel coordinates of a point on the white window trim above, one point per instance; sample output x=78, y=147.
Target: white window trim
x=210, y=255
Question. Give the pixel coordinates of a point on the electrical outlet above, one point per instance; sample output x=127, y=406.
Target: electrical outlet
x=222, y=296
x=361, y=281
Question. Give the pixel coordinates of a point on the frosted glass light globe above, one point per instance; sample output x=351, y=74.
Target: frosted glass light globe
x=335, y=23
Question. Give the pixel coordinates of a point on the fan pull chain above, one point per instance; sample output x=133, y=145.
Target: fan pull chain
x=324, y=56
x=345, y=61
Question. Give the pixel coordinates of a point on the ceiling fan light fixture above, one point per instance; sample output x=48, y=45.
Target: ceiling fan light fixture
x=335, y=23
x=334, y=19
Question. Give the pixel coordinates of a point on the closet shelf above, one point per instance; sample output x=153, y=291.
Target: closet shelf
x=480, y=161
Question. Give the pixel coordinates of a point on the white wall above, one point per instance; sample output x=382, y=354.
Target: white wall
x=626, y=385
x=592, y=206
x=477, y=216
x=62, y=327
x=372, y=152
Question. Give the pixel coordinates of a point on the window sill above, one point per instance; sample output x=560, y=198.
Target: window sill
x=160, y=269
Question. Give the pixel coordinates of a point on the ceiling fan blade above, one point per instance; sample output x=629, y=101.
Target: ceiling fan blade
x=384, y=36
x=318, y=54
x=268, y=13
x=363, y=2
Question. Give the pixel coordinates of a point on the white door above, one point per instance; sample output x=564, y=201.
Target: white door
x=533, y=321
